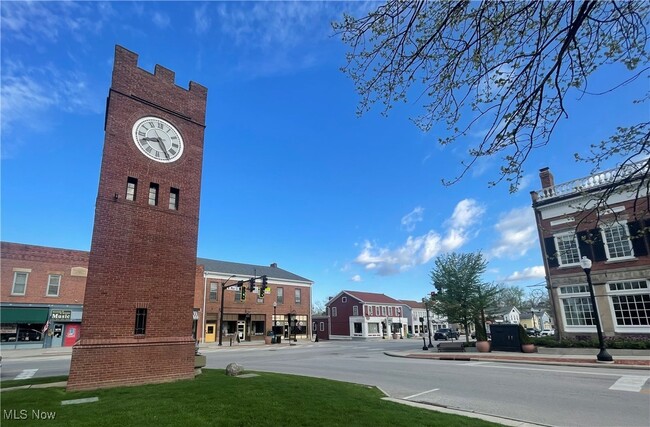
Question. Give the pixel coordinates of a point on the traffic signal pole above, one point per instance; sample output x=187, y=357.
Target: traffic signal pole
x=241, y=283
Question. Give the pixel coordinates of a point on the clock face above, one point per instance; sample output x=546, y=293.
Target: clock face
x=158, y=139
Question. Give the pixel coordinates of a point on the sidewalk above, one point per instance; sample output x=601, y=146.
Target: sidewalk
x=627, y=359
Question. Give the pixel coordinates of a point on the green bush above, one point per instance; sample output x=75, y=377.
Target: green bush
x=630, y=342
x=523, y=336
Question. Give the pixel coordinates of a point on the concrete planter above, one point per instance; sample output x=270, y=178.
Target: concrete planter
x=528, y=348
x=483, y=346
x=199, y=361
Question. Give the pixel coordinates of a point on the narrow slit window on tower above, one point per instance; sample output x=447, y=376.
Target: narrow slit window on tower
x=153, y=194
x=131, y=188
x=140, y=321
x=173, y=198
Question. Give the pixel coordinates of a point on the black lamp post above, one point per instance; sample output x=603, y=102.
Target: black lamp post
x=426, y=306
x=275, y=322
x=603, y=355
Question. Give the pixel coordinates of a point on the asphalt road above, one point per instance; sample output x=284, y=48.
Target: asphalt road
x=540, y=394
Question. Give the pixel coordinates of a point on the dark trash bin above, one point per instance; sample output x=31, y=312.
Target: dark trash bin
x=505, y=338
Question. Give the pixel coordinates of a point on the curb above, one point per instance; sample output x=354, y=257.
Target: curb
x=505, y=359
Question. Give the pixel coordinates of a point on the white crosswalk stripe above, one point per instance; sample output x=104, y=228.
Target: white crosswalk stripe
x=26, y=374
x=632, y=383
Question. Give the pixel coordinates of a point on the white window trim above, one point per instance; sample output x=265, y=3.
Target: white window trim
x=572, y=328
x=58, y=288
x=334, y=312
x=557, y=248
x=610, y=294
x=627, y=234
x=355, y=310
x=13, y=286
x=344, y=299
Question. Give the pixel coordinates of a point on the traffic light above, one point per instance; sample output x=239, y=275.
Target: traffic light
x=264, y=285
x=251, y=284
x=243, y=293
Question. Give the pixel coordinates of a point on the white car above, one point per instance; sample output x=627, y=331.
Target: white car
x=547, y=332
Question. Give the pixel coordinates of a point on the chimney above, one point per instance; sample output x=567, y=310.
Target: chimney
x=546, y=177
x=274, y=265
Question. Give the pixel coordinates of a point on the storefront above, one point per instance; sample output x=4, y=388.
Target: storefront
x=23, y=327
x=40, y=327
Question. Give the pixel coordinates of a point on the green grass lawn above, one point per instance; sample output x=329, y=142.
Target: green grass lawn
x=214, y=399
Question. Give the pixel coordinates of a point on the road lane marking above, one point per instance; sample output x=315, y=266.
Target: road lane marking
x=474, y=363
x=632, y=383
x=420, y=394
x=26, y=374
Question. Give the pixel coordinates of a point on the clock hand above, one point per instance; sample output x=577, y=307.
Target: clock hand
x=162, y=144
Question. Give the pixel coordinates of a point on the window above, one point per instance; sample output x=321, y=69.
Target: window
x=357, y=328
x=567, y=248
x=140, y=321
x=297, y=292
x=334, y=312
x=383, y=310
x=20, y=283
x=173, y=198
x=617, y=241
x=576, y=305
x=344, y=299
x=390, y=311
x=370, y=310
x=355, y=311
x=131, y=188
x=153, y=194
x=322, y=326
x=280, y=297
x=630, y=303
x=214, y=291
x=53, y=285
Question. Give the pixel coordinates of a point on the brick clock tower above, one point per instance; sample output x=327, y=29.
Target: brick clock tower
x=137, y=320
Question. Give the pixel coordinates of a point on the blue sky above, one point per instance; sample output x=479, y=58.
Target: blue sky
x=291, y=174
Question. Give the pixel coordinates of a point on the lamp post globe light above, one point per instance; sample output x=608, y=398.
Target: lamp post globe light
x=603, y=355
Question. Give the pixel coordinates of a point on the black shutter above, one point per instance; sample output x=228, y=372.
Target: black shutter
x=551, y=253
x=638, y=238
x=599, y=245
x=585, y=244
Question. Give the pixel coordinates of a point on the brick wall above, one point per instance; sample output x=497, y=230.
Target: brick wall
x=43, y=261
x=142, y=256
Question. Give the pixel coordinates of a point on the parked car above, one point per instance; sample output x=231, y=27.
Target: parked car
x=547, y=332
x=532, y=332
x=445, y=334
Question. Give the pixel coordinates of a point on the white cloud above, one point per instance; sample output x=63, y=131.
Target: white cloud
x=421, y=249
x=466, y=213
x=536, y=272
x=412, y=218
x=356, y=278
x=517, y=233
x=201, y=19
x=160, y=20
x=27, y=92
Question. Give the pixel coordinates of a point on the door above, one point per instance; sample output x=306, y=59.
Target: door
x=210, y=332
x=57, y=335
x=71, y=334
x=241, y=329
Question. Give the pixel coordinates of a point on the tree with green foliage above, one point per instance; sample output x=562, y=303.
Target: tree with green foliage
x=503, y=70
x=510, y=296
x=461, y=295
